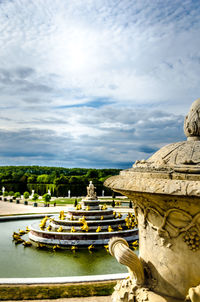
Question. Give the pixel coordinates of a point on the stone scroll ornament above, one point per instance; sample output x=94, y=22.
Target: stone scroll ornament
x=126, y=290
x=174, y=222
x=193, y=294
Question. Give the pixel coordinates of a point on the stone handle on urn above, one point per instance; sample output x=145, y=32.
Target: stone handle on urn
x=119, y=248
x=193, y=294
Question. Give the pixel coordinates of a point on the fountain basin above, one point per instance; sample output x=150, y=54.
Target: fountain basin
x=17, y=261
x=65, y=239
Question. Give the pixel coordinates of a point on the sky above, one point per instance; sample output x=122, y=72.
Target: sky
x=95, y=83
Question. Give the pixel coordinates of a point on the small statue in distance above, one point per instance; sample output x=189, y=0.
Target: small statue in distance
x=91, y=194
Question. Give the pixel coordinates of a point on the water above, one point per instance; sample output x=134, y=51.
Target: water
x=17, y=261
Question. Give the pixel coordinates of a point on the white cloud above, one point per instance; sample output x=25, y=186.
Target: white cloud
x=136, y=56
x=90, y=137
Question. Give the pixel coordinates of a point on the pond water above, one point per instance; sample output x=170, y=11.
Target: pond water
x=17, y=261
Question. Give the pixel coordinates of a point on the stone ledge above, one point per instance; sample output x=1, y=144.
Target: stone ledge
x=55, y=291
x=59, y=280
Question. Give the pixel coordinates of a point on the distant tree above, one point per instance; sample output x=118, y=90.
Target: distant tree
x=61, y=180
x=92, y=173
x=16, y=176
x=26, y=195
x=46, y=197
x=32, y=179
x=74, y=180
x=11, y=193
x=5, y=193
x=23, y=178
x=17, y=194
x=35, y=196
x=44, y=178
x=102, y=179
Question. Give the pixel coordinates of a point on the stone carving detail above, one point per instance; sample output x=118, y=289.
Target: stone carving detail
x=165, y=190
x=126, y=291
x=172, y=223
x=193, y=294
x=192, y=121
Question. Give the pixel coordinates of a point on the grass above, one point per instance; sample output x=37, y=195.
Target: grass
x=66, y=200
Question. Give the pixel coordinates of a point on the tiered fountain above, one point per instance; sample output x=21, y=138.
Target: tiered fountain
x=87, y=224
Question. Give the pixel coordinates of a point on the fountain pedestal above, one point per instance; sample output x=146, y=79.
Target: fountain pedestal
x=165, y=191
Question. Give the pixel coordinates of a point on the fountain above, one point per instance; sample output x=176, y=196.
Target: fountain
x=89, y=224
x=165, y=191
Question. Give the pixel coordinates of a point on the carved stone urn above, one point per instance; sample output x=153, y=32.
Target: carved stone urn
x=165, y=191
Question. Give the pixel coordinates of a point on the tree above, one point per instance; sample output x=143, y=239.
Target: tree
x=92, y=173
x=11, y=193
x=46, y=197
x=5, y=193
x=74, y=180
x=17, y=194
x=44, y=178
x=26, y=195
x=32, y=179
x=35, y=196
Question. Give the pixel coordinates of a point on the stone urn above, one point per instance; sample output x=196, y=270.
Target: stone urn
x=165, y=191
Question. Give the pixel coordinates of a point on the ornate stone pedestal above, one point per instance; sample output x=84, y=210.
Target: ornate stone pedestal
x=165, y=191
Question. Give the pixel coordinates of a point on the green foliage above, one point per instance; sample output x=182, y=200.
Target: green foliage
x=35, y=196
x=11, y=193
x=58, y=180
x=26, y=195
x=92, y=173
x=44, y=178
x=5, y=193
x=17, y=194
x=61, y=180
x=32, y=179
x=102, y=179
x=46, y=197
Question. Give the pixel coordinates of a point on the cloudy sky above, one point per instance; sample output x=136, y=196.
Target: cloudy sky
x=95, y=83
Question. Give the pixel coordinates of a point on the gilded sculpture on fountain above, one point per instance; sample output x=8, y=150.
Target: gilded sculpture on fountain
x=165, y=190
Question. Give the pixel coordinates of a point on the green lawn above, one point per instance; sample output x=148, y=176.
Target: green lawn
x=63, y=201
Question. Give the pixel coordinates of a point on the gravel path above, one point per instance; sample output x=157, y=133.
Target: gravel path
x=10, y=208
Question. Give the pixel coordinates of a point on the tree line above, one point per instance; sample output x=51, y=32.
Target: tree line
x=56, y=179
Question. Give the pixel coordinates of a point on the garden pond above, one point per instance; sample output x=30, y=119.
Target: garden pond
x=17, y=261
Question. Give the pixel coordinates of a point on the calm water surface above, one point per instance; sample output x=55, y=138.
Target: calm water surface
x=17, y=261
